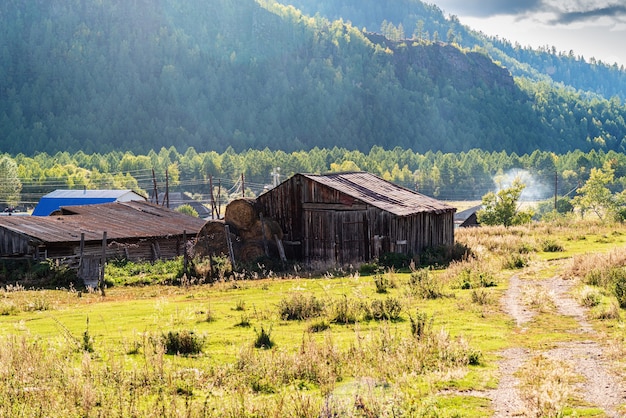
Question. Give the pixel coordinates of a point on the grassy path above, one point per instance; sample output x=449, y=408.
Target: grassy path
x=546, y=373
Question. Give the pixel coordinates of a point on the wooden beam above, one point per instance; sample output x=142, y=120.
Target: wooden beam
x=332, y=206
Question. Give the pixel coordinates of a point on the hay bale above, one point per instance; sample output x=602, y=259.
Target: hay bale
x=211, y=239
x=275, y=229
x=250, y=251
x=241, y=213
x=262, y=230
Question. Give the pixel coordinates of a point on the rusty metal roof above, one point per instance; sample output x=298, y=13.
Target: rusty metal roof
x=375, y=191
x=120, y=220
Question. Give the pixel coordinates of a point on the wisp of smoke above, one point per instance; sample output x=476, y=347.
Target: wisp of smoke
x=535, y=189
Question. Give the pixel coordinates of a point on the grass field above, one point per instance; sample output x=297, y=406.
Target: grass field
x=411, y=343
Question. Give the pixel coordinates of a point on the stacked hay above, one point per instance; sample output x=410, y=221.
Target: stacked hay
x=241, y=213
x=211, y=239
x=253, y=236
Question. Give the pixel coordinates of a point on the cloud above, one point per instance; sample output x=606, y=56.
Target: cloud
x=485, y=8
x=613, y=11
x=561, y=12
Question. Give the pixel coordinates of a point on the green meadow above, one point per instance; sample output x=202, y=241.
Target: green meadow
x=414, y=342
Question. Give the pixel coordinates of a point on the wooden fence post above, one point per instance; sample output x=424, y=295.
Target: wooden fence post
x=185, y=256
x=103, y=261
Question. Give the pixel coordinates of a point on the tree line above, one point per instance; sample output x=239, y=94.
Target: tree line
x=447, y=176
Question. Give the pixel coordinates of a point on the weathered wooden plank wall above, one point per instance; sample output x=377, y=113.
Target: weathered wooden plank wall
x=337, y=229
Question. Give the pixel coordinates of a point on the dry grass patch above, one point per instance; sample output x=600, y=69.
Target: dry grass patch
x=545, y=386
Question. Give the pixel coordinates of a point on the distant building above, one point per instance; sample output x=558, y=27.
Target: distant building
x=467, y=218
x=134, y=230
x=64, y=198
x=175, y=199
x=351, y=218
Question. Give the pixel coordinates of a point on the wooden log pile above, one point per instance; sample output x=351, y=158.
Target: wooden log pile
x=251, y=235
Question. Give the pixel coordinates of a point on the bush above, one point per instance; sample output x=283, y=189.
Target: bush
x=590, y=297
x=394, y=260
x=551, y=246
x=388, y=309
x=38, y=274
x=319, y=326
x=187, y=210
x=264, y=339
x=420, y=325
x=382, y=283
x=425, y=285
x=367, y=269
x=344, y=312
x=515, y=261
x=443, y=255
x=480, y=297
x=183, y=343
x=619, y=287
x=471, y=279
x=300, y=307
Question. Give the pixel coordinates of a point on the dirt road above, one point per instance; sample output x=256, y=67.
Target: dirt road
x=583, y=356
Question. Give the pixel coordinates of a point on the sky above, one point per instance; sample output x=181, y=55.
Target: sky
x=591, y=28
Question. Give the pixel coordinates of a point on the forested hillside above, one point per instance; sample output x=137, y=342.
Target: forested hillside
x=209, y=74
x=414, y=19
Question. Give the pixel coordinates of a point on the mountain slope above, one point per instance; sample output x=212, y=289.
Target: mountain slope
x=212, y=74
x=428, y=21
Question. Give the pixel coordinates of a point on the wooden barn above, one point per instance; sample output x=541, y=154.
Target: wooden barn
x=83, y=235
x=351, y=218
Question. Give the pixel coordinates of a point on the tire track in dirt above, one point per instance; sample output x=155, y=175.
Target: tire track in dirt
x=600, y=388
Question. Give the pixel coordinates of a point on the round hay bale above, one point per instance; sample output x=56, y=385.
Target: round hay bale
x=250, y=251
x=242, y=213
x=211, y=239
x=262, y=229
x=274, y=228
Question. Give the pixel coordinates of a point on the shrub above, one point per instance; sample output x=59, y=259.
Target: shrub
x=480, y=297
x=367, y=269
x=240, y=305
x=182, y=343
x=264, y=339
x=425, y=285
x=388, y=309
x=8, y=308
x=187, y=210
x=319, y=326
x=619, y=286
x=515, y=261
x=394, y=260
x=344, y=312
x=87, y=342
x=590, y=297
x=300, y=307
x=382, y=283
x=443, y=254
x=469, y=278
x=244, y=322
x=551, y=246
x=606, y=312
x=420, y=325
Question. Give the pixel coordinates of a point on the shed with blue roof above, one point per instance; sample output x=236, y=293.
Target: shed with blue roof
x=61, y=198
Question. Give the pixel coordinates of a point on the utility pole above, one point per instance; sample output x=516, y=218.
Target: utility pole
x=213, y=208
x=556, y=188
x=156, y=190
x=166, y=201
x=275, y=176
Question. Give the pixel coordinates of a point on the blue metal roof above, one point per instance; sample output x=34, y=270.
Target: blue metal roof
x=54, y=200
